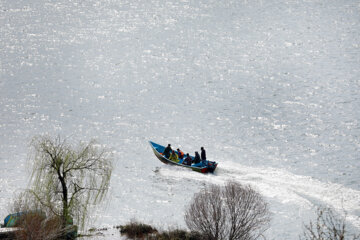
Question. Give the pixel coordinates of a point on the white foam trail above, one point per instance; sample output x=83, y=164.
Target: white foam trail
x=283, y=188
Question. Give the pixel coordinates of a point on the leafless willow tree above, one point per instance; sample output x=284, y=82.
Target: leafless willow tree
x=66, y=180
x=230, y=212
x=328, y=226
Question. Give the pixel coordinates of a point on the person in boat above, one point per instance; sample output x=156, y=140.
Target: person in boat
x=180, y=153
x=174, y=157
x=167, y=151
x=187, y=160
x=197, y=158
x=203, y=156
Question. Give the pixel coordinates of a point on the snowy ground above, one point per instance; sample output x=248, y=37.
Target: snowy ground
x=269, y=88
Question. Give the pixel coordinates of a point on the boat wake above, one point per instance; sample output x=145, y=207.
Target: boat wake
x=291, y=197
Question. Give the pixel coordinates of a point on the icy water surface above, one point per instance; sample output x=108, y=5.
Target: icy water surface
x=269, y=88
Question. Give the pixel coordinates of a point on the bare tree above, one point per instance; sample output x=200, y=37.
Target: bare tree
x=206, y=213
x=230, y=212
x=328, y=225
x=67, y=180
x=248, y=213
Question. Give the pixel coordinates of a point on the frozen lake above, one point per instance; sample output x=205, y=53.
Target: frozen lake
x=271, y=89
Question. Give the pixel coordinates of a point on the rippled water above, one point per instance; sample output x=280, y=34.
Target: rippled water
x=269, y=88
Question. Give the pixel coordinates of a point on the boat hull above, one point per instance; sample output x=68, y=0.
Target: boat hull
x=158, y=149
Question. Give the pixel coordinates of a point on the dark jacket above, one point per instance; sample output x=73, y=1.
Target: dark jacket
x=188, y=160
x=167, y=151
x=203, y=154
x=197, y=157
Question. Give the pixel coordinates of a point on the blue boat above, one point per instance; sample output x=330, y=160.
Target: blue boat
x=207, y=167
x=11, y=220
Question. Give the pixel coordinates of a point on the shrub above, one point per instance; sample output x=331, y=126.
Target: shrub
x=137, y=230
x=34, y=223
x=329, y=226
x=230, y=212
x=178, y=235
x=36, y=226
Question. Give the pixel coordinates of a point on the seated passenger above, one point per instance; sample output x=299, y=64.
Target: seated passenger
x=197, y=158
x=187, y=160
x=167, y=151
x=174, y=157
x=180, y=153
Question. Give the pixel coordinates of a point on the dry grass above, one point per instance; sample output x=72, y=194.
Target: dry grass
x=36, y=226
x=136, y=230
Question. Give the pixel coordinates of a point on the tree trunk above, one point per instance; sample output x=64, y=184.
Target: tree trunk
x=65, y=210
